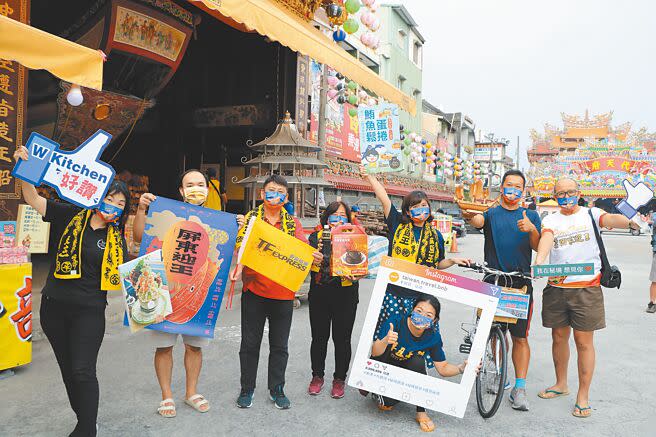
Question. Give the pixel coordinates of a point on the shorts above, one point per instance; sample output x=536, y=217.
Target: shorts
x=165, y=339
x=580, y=308
x=652, y=274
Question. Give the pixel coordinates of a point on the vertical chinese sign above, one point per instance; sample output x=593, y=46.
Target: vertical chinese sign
x=13, y=96
x=380, y=138
x=197, y=246
x=302, y=82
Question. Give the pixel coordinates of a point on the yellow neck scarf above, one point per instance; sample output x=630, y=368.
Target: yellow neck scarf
x=425, y=252
x=288, y=224
x=68, y=263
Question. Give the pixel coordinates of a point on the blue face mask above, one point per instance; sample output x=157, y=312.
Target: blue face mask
x=568, y=202
x=111, y=210
x=512, y=193
x=337, y=220
x=274, y=197
x=420, y=320
x=418, y=212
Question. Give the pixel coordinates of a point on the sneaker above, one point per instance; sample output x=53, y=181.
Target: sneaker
x=651, y=307
x=519, y=399
x=338, y=389
x=279, y=398
x=315, y=385
x=245, y=399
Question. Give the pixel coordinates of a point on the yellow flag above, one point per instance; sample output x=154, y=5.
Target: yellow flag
x=284, y=259
x=15, y=315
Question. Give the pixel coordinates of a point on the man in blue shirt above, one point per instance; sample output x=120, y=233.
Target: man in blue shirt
x=511, y=234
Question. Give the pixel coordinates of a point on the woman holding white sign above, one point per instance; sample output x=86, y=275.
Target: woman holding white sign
x=90, y=247
x=410, y=337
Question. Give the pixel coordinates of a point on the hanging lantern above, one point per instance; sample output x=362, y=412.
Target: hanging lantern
x=352, y=6
x=333, y=10
x=339, y=35
x=351, y=26
x=341, y=100
x=352, y=85
x=353, y=112
x=331, y=94
x=352, y=99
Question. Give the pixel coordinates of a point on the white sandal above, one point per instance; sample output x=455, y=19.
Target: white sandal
x=165, y=408
x=196, y=405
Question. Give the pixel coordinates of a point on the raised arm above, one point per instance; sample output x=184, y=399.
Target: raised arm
x=379, y=190
x=31, y=196
x=617, y=221
x=140, y=218
x=474, y=219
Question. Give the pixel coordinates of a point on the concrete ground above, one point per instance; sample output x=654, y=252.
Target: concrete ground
x=34, y=403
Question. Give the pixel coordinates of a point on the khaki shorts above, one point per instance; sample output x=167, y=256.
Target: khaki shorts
x=580, y=308
x=652, y=274
x=165, y=339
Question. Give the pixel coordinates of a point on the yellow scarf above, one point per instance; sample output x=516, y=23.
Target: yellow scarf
x=68, y=264
x=425, y=252
x=288, y=224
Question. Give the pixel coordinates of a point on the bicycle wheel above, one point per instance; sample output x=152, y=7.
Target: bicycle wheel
x=492, y=377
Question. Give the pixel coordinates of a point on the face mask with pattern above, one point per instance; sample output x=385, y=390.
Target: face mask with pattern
x=336, y=220
x=107, y=210
x=419, y=214
x=274, y=198
x=195, y=195
x=568, y=202
x=420, y=320
x=512, y=195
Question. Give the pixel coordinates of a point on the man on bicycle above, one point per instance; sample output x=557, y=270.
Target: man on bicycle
x=574, y=302
x=511, y=234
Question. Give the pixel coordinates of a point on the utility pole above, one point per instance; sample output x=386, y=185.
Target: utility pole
x=517, y=155
x=321, y=131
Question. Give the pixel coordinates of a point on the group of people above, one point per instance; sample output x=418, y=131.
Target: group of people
x=90, y=246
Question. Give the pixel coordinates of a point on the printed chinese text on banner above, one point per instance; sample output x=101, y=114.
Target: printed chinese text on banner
x=15, y=315
x=380, y=138
x=197, y=245
x=78, y=176
x=32, y=232
x=284, y=259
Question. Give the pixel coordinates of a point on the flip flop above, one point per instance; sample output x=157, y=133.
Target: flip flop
x=196, y=405
x=551, y=394
x=581, y=412
x=426, y=425
x=166, y=408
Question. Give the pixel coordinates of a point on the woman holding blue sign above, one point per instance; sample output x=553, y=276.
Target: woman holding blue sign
x=90, y=247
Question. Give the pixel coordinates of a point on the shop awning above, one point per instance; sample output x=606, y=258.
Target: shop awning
x=352, y=184
x=39, y=50
x=270, y=19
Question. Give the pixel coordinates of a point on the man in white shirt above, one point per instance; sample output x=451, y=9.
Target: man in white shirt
x=573, y=302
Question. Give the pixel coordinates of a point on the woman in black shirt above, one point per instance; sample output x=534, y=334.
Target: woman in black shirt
x=89, y=248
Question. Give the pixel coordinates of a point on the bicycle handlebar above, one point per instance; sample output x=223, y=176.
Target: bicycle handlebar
x=482, y=268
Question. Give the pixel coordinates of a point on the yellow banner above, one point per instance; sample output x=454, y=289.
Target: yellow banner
x=15, y=315
x=284, y=259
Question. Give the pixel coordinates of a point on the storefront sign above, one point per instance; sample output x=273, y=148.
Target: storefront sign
x=197, y=245
x=380, y=138
x=482, y=153
x=15, y=315
x=426, y=391
x=342, y=131
x=13, y=96
x=78, y=176
x=302, y=93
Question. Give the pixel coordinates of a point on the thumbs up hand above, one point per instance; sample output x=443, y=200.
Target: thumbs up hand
x=525, y=224
x=392, y=336
x=636, y=196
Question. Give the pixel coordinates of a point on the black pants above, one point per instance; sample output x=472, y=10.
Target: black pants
x=416, y=363
x=334, y=306
x=255, y=310
x=75, y=334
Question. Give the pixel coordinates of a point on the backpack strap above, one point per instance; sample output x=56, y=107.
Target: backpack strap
x=602, y=250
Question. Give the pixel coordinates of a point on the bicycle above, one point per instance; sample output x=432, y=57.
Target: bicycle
x=491, y=379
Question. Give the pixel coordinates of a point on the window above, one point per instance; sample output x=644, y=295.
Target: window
x=416, y=53
x=401, y=38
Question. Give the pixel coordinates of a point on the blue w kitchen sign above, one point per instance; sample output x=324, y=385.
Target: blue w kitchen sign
x=78, y=176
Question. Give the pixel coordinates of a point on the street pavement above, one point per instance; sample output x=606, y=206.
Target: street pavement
x=34, y=402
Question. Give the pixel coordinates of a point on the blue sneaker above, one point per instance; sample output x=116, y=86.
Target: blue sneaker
x=279, y=398
x=245, y=399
